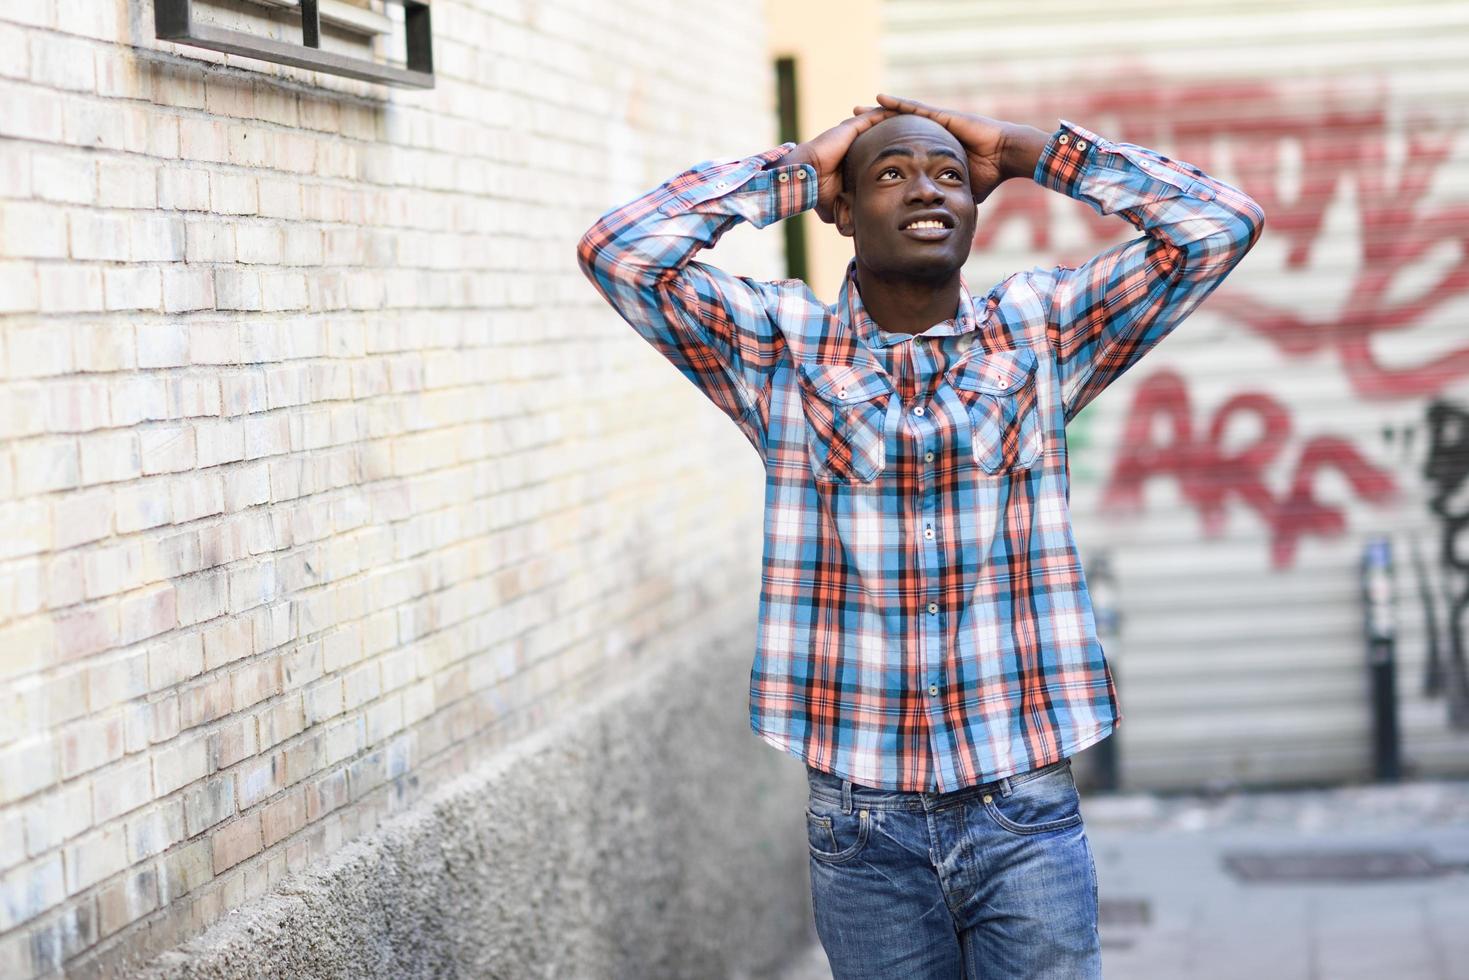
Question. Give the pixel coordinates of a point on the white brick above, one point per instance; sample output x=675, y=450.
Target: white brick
x=68, y=177
x=105, y=346
x=77, y=406
x=108, y=457
x=133, y=288
x=183, y=188
x=219, y=442
x=283, y=290
x=232, y=194
x=119, y=75
x=204, y=140
x=155, y=830
x=237, y=289
x=126, y=184
x=112, y=568
x=94, y=857
x=99, y=235
x=62, y=62
x=44, y=465
x=191, y=395
x=187, y=289
x=157, y=238
x=179, y=763
x=69, y=288
x=28, y=891
x=30, y=113
x=209, y=240
x=28, y=532
x=37, y=351
x=167, y=449
x=141, y=506
x=163, y=344
x=258, y=243
x=197, y=496
x=148, y=613
x=249, y=146
x=82, y=517
x=57, y=817
x=31, y=231
x=20, y=288
x=89, y=19
x=89, y=123
x=279, y=198
x=14, y=52
x=25, y=768
x=121, y=789
x=214, y=343
x=138, y=399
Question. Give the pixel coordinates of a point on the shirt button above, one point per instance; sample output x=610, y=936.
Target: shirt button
x=933, y=607
x=918, y=410
x=1063, y=138
x=933, y=689
x=783, y=176
x=1081, y=144
x=928, y=533
x=928, y=457
x=800, y=174
x=841, y=393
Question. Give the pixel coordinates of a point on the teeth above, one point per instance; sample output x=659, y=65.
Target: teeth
x=926, y=224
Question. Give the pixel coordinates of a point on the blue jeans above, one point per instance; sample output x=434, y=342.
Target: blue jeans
x=990, y=881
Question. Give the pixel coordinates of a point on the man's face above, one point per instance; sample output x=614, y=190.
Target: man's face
x=907, y=168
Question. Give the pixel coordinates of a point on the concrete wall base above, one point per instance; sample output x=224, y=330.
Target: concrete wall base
x=649, y=835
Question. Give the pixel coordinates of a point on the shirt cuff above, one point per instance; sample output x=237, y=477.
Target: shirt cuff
x=781, y=191
x=1066, y=157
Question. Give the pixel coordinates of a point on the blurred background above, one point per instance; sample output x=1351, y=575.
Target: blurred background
x=374, y=602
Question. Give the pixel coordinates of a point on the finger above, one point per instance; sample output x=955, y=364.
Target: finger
x=909, y=105
x=857, y=110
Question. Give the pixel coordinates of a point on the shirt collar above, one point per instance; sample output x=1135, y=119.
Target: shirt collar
x=853, y=314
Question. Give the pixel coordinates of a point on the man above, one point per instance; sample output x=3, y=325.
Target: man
x=926, y=645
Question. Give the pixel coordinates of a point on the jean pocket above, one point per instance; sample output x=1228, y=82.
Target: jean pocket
x=846, y=411
x=998, y=390
x=834, y=835
x=1037, y=803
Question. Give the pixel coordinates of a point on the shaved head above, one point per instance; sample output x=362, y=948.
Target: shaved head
x=894, y=129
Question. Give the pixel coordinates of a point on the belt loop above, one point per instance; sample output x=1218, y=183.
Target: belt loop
x=846, y=796
x=1004, y=785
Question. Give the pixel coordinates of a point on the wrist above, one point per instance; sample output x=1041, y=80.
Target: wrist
x=796, y=156
x=1020, y=150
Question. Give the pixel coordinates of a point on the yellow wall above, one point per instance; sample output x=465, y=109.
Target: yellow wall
x=838, y=65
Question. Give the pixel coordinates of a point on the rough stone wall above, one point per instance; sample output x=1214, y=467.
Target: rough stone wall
x=324, y=474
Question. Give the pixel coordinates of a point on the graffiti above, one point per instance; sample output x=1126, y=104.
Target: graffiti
x=1447, y=471
x=1209, y=475
x=1299, y=154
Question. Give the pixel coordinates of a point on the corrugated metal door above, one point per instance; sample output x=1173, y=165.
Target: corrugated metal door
x=1318, y=398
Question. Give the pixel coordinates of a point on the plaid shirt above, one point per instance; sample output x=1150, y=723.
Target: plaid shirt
x=923, y=623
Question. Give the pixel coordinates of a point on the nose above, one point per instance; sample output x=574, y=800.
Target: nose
x=923, y=189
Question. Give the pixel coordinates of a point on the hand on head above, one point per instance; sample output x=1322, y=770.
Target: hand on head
x=983, y=138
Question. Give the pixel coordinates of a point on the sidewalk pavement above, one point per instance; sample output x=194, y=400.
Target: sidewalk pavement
x=1371, y=881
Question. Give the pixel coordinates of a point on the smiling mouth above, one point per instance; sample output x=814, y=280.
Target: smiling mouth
x=927, y=231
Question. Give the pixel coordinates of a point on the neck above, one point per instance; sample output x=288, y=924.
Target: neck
x=907, y=305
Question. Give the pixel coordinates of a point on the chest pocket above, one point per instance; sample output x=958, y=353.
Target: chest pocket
x=999, y=393
x=845, y=408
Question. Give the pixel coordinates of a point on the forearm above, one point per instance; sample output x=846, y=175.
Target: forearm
x=1021, y=151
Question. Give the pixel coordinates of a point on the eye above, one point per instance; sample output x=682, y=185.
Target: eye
x=954, y=171
x=889, y=170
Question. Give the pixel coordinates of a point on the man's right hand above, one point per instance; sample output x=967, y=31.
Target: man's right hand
x=825, y=153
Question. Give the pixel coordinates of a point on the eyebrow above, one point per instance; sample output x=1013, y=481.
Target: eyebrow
x=903, y=151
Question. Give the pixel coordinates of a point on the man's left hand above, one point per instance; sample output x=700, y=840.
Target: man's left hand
x=984, y=140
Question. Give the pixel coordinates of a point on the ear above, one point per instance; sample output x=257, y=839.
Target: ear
x=841, y=213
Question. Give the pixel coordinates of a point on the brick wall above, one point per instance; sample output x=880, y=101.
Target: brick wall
x=324, y=472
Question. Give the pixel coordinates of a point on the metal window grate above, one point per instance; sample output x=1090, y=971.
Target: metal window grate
x=173, y=20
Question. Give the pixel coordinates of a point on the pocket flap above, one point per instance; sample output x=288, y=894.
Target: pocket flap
x=999, y=372
x=843, y=383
